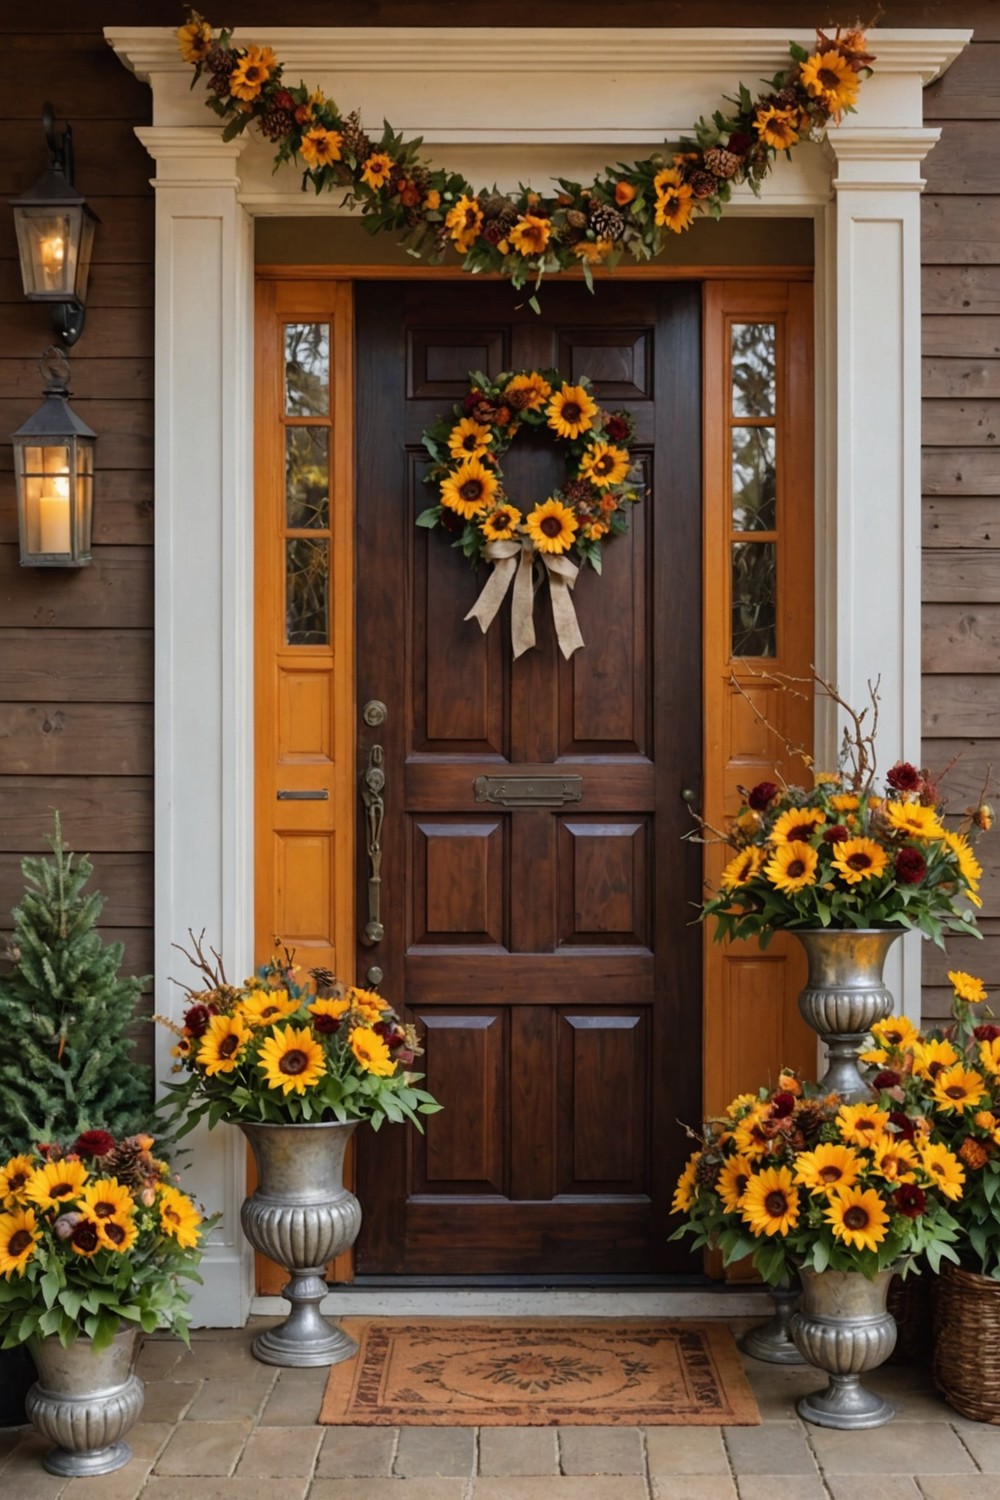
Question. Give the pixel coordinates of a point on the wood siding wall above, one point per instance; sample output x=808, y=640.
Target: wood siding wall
x=76, y=649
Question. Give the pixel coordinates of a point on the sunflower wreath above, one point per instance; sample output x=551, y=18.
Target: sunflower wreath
x=630, y=208
x=524, y=548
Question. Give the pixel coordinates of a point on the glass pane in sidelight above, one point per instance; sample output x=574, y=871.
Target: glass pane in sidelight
x=754, y=599
x=307, y=591
x=754, y=479
x=752, y=353
x=307, y=369
x=307, y=470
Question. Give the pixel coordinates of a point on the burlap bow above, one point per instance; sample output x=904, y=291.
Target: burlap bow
x=514, y=562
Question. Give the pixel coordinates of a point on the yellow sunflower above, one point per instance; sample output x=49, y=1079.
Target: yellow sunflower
x=895, y=1031
x=372, y=1052
x=733, y=1181
x=844, y=802
x=194, y=40
x=771, y=1202
x=320, y=147
x=859, y=859
x=530, y=234
x=777, y=127
x=893, y=1158
x=593, y=252
x=56, y=1184
x=464, y=222
x=368, y=1002
x=749, y=1137
x=969, y=868
x=469, y=489
x=797, y=825
x=532, y=391
x=944, y=1167
x=266, y=1007
x=858, y=1217
x=85, y=1237
x=501, y=524
x=741, y=1103
x=552, y=526
x=830, y=78
x=251, y=73
x=966, y=987
x=469, y=439
x=19, y=1234
x=932, y=1057
x=604, y=465
x=106, y=1198
x=674, y=201
x=178, y=1217
x=860, y=1124
x=14, y=1178
x=827, y=1167
x=377, y=170
x=118, y=1233
x=989, y=1056
x=744, y=867
x=958, y=1088
x=913, y=819
x=328, y=1014
x=571, y=411
x=684, y=1192
x=791, y=867
x=292, y=1060
x=222, y=1045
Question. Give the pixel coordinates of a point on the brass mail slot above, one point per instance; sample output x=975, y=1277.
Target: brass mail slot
x=528, y=791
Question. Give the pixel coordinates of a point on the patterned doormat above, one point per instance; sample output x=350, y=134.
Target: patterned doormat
x=517, y=1372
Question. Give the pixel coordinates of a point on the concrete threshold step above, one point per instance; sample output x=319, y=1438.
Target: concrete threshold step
x=538, y=1302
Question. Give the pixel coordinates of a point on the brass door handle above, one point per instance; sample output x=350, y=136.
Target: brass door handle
x=371, y=795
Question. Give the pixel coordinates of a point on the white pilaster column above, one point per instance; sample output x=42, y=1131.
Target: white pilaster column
x=868, y=539
x=204, y=627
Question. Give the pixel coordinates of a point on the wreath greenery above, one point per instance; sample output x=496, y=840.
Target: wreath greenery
x=628, y=209
x=466, y=449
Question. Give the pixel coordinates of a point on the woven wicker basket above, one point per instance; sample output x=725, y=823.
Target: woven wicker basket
x=967, y=1343
x=911, y=1302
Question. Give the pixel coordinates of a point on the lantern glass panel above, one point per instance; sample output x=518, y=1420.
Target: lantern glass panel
x=54, y=243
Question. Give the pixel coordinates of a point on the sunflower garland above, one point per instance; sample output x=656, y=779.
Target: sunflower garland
x=593, y=503
x=630, y=208
x=274, y=1050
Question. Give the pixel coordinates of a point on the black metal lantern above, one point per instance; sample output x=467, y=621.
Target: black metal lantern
x=54, y=472
x=55, y=236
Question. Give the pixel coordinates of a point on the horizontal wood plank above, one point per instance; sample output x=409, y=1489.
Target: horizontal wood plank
x=975, y=424
x=960, y=471
x=954, y=521
x=960, y=638
x=126, y=380
x=76, y=666
x=958, y=577
x=76, y=739
x=113, y=813
x=956, y=337
x=123, y=508
x=114, y=592
x=119, y=333
x=972, y=291
x=962, y=704
x=960, y=231
x=125, y=237
x=966, y=378
x=970, y=89
x=966, y=159
x=92, y=82
x=110, y=159
x=124, y=880
x=979, y=956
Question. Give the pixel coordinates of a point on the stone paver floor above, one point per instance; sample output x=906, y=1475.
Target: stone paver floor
x=219, y=1426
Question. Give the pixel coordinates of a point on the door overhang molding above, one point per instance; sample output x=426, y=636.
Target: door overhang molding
x=604, y=93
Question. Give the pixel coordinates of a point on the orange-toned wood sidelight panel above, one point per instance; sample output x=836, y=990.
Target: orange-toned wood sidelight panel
x=304, y=637
x=758, y=539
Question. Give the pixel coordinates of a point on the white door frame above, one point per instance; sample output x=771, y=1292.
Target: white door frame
x=577, y=100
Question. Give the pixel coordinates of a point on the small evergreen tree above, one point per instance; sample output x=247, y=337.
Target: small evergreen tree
x=65, y=1063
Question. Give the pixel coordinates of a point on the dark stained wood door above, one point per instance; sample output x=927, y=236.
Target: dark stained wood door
x=546, y=953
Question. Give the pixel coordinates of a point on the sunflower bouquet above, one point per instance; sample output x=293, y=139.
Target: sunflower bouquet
x=798, y=1178
x=466, y=448
x=943, y=1086
x=93, y=1236
x=848, y=853
x=275, y=1051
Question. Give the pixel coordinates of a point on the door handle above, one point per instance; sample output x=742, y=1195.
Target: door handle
x=372, y=796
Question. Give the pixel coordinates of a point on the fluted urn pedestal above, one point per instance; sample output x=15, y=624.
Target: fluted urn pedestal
x=844, y=997
x=844, y=1327
x=301, y=1216
x=84, y=1402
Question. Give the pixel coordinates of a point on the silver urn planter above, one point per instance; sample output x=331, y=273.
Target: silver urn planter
x=301, y=1216
x=84, y=1401
x=772, y=1341
x=844, y=1327
x=844, y=997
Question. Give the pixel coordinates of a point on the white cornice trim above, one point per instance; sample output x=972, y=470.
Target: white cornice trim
x=312, y=51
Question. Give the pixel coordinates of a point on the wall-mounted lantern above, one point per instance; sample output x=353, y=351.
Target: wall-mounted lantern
x=55, y=236
x=54, y=473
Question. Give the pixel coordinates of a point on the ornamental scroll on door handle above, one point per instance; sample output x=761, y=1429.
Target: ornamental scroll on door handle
x=371, y=795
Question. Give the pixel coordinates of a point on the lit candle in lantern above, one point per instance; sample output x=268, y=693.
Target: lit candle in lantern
x=53, y=516
x=53, y=255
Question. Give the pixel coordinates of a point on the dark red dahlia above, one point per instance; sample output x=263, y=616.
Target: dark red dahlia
x=909, y=1200
x=782, y=1105
x=390, y=1034
x=904, y=778
x=283, y=99
x=911, y=867
x=762, y=795
x=887, y=1079
x=471, y=401
x=196, y=1019
x=617, y=428
x=986, y=1032
x=738, y=143
x=325, y=1025
x=902, y=1124
x=836, y=835
x=452, y=521
x=93, y=1143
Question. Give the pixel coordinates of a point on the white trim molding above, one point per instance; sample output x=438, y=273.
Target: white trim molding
x=607, y=95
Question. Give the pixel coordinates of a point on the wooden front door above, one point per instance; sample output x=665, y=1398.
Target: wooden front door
x=546, y=953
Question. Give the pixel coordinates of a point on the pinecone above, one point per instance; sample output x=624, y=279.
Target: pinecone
x=220, y=64
x=129, y=1162
x=325, y=978
x=606, y=222
x=721, y=163
x=703, y=184
x=354, y=141
x=276, y=122
x=581, y=492
x=707, y=1171
x=494, y=204
x=576, y=219
x=785, y=98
